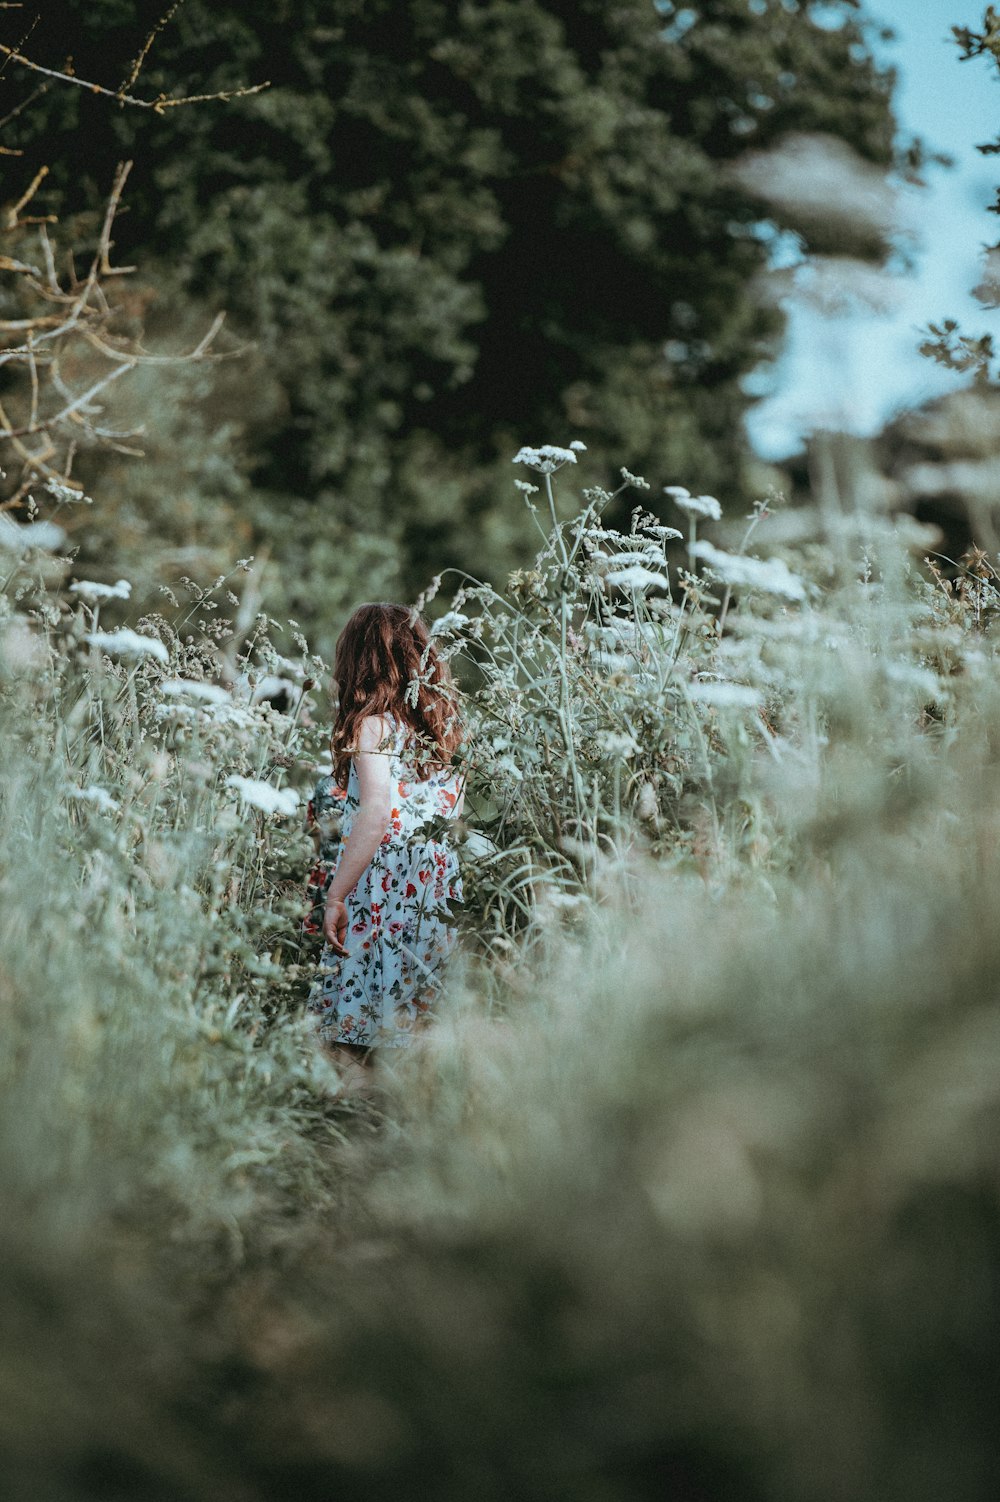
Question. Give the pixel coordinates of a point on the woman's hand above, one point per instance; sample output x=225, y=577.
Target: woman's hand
x=335, y=926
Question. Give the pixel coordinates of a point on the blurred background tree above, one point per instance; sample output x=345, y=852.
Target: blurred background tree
x=447, y=229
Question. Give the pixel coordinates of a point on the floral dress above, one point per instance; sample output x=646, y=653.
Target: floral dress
x=399, y=930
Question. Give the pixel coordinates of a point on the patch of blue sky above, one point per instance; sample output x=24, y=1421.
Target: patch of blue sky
x=854, y=370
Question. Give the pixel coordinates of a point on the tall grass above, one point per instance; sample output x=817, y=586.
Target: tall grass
x=692, y=1191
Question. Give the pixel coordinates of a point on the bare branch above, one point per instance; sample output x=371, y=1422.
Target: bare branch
x=147, y=44
x=50, y=262
x=43, y=88
x=141, y=358
x=67, y=322
x=158, y=105
x=11, y=217
x=75, y=407
x=7, y=263
x=33, y=368
x=104, y=245
x=3, y=65
x=48, y=321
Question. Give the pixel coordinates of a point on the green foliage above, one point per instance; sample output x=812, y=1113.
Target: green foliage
x=695, y=1177
x=692, y=1189
x=446, y=226
x=947, y=343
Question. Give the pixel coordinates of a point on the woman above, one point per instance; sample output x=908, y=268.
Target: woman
x=386, y=921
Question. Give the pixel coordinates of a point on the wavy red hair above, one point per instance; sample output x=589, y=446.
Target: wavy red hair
x=385, y=664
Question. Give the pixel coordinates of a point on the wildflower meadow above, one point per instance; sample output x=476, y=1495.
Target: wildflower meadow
x=690, y=1190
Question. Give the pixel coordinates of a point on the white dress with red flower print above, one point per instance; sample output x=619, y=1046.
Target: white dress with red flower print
x=399, y=925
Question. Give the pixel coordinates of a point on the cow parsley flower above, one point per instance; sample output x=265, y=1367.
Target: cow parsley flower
x=912, y=675
x=646, y=805
x=69, y=495
x=454, y=620
x=93, y=593
x=705, y=507
x=263, y=795
x=478, y=846
x=98, y=796
x=207, y=693
x=18, y=539
x=568, y=902
x=449, y=622
x=636, y=577
x=771, y=575
x=546, y=459
x=125, y=643
x=636, y=480
x=726, y=695
x=645, y=555
x=617, y=744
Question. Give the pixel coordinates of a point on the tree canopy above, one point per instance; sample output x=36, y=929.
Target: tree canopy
x=450, y=228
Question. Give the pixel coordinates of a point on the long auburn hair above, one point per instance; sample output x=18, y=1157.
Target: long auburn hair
x=385, y=664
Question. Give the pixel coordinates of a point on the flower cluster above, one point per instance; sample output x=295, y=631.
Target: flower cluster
x=704, y=507
x=549, y=457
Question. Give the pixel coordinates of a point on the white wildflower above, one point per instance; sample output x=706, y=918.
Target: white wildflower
x=93, y=593
x=645, y=555
x=290, y=667
x=453, y=620
x=628, y=633
x=22, y=650
x=912, y=675
x=19, y=539
x=676, y=492
x=726, y=695
x=207, y=693
x=98, y=796
x=175, y=711
x=646, y=805
x=617, y=743
x=704, y=506
x=772, y=575
x=614, y=662
x=526, y=487
x=617, y=632
x=569, y=902
x=580, y=448
x=636, y=577
x=478, y=847
x=631, y=479
x=125, y=643
x=270, y=686
x=263, y=795
x=236, y=715
x=68, y=494
x=545, y=459
x=666, y=534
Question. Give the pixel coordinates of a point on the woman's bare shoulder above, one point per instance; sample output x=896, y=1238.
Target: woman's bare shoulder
x=373, y=732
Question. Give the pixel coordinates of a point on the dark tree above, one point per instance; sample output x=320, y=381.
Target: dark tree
x=452, y=228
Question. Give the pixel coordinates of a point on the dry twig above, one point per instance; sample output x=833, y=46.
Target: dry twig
x=68, y=319
x=147, y=44
x=158, y=105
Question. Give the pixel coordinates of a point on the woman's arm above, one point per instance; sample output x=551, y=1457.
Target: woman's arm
x=370, y=824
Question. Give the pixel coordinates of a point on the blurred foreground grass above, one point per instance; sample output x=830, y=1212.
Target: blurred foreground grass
x=692, y=1192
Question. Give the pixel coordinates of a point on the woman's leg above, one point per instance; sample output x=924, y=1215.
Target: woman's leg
x=354, y=1065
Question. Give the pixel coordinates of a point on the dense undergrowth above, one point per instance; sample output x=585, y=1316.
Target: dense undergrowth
x=692, y=1190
